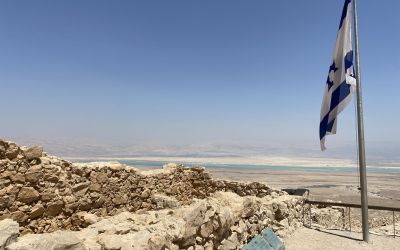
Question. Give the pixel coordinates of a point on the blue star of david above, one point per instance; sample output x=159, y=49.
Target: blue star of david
x=333, y=67
x=329, y=82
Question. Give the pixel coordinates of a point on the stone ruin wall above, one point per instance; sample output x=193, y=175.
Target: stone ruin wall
x=44, y=193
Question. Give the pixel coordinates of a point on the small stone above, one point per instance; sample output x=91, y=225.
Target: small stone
x=146, y=193
x=28, y=195
x=118, y=200
x=33, y=153
x=55, y=208
x=80, y=186
x=84, y=218
x=50, y=178
x=12, y=151
x=34, y=174
x=19, y=216
x=206, y=229
x=36, y=211
x=47, y=196
x=95, y=187
x=4, y=201
x=18, y=178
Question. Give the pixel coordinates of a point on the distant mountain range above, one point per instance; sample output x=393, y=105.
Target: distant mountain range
x=378, y=154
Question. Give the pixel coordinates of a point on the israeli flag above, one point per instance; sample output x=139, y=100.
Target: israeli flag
x=341, y=82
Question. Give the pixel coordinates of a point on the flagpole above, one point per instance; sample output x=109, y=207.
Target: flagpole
x=361, y=141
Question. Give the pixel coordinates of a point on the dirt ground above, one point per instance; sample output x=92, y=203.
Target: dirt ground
x=316, y=239
x=383, y=188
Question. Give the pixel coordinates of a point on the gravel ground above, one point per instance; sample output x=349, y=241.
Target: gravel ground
x=310, y=239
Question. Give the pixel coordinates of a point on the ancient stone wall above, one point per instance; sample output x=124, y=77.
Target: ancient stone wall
x=223, y=221
x=44, y=193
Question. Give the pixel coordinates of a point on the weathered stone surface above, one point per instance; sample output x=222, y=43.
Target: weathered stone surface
x=34, y=173
x=9, y=231
x=19, y=216
x=146, y=193
x=80, y=186
x=36, y=211
x=19, y=178
x=55, y=208
x=12, y=150
x=3, y=145
x=4, y=201
x=84, y=218
x=28, y=195
x=57, y=241
x=212, y=223
x=33, y=153
x=163, y=201
x=119, y=200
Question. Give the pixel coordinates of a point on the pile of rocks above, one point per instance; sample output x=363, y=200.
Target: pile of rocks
x=43, y=192
x=182, y=205
x=224, y=221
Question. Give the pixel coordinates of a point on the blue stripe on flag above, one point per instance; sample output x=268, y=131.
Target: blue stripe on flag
x=348, y=60
x=344, y=13
x=339, y=94
x=325, y=127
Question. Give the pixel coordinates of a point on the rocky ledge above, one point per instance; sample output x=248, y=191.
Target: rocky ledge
x=49, y=203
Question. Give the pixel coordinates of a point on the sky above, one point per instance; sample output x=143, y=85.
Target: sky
x=179, y=72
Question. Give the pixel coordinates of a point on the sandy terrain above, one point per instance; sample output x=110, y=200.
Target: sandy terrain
x=383, y=189
x=310, y=239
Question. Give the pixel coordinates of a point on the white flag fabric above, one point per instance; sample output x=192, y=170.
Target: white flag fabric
x=341, y=83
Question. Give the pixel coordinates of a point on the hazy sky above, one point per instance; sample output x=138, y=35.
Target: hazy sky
x=190, y=72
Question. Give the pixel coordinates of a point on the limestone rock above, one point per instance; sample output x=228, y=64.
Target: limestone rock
x=9, y=231
x=84, y=218
x=4, y=201
x=164, y=201
x=34, y=174
x=60, y=240
x=33, y=153
x=55, y=208
x=19, y=216
x=20, y=178
x=3, y=145
x=146, y=193
x=28, y=195
x=12, y=150
x=80, y=186
x=36, y=211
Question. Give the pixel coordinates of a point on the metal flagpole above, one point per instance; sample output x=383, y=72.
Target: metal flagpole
x=361, y=142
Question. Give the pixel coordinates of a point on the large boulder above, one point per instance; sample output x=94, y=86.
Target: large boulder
x=12, y=150
x=32, y=153
x=2, y=147
x=9, y=231
x=194, y=216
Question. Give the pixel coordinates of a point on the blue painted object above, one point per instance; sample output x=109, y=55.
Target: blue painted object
x=272, y=239
x=258, y=243
x=267, y=240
